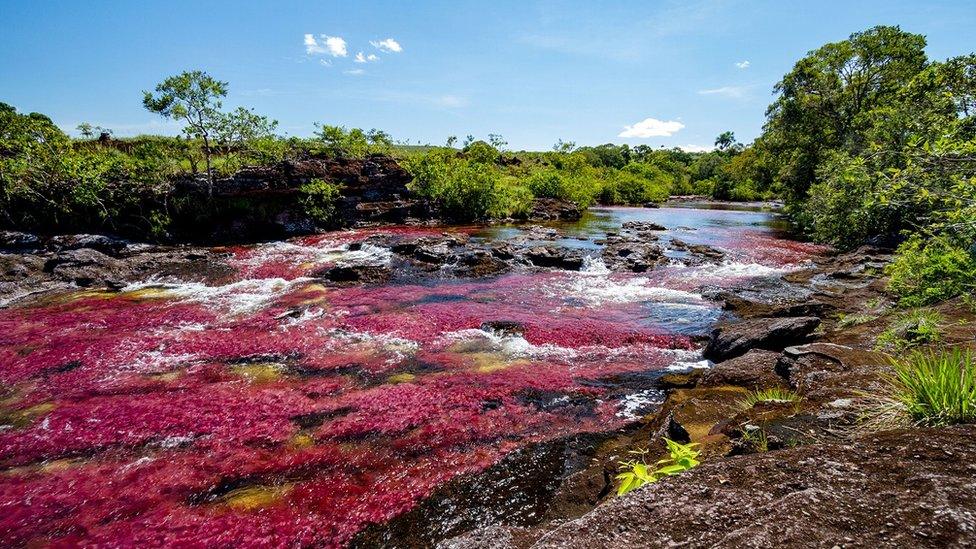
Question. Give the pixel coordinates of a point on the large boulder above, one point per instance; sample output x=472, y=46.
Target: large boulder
x=554, y=209
x=771, y=334
x=555, y=257
x=754, y=370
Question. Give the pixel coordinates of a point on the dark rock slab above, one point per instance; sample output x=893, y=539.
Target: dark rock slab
x=754, y=370
x=909, y=488
x=772, y=334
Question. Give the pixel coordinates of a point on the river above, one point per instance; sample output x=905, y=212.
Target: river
x=275, y=409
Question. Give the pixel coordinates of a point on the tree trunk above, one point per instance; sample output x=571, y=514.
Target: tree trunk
x=210, y=178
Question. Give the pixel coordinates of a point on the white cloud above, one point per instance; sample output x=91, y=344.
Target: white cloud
x=324, y=44
x=360, y=58
x=696, y=148
x=743, y=64
x=735, y=92
x=312, y=47
x=388, y=45
x=325, y=62
x=652, y=127
x=336, y=46
x=355, y=72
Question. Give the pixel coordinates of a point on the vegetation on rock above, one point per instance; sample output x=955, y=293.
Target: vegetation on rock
x=636, y=473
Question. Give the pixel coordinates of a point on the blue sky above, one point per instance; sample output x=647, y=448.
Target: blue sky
x=534, y=72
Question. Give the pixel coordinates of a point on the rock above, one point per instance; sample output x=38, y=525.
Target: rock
x=827, y=371
x=754, y=370
x=554, y=209
x=707, y=252
x=433, y=253
x=890, y=490
x=367, y=274
x=673, y=430
x=17, y=241
x=104, y=244
x=503, y=250
x=642, y=226
x=555, y=257
x=634, y=256
x=503, y=327
x=87, y=268
x=773, y=334
x=479, y=263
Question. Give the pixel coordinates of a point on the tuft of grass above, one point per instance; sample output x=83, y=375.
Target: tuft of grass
x=773, y=396
x=636, y=473
x=911, y=329
x=756, y=438
x=846, y=321
x=936, y=387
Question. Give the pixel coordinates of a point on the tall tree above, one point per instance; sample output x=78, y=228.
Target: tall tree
x=826, y=102
x=195, y=98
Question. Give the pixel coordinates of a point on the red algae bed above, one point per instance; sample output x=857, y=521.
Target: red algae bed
x=274, y=410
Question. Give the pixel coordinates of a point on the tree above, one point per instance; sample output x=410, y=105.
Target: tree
x=195, y=98
x=725, y=141
x=237, y=128
x=827, y=102
x=86, y=130
x=497, y=141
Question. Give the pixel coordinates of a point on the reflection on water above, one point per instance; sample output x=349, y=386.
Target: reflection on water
x=277, y=410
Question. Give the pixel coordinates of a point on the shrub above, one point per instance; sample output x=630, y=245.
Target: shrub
x=929, y=271
x=911, y=329
x=635, y=473
x=935, y=388
x=548, y=184
x=319, y=200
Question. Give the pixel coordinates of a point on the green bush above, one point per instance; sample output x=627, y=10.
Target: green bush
x=930, y=270
x=319, y=200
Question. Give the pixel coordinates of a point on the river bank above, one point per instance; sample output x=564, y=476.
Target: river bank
x=429, y=381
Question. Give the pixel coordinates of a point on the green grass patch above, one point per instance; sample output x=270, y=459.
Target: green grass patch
x=934, y=387
x=912, y=329
x=770, y=396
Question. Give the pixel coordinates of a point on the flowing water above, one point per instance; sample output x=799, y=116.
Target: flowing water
x=277, y=410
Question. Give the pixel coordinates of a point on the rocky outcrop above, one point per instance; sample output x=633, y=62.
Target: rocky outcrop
x=555, y=257
x=772, y=334
x=372, y=190
x=554, y=209
x=909, y=488
x=754, y=370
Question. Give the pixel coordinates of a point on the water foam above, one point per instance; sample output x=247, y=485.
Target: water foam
x=241, y=297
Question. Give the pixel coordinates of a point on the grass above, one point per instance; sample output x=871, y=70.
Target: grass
x=771, y=396
x=935, y=387
x=756, y=438
x=911, y=329
x=846, y=321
